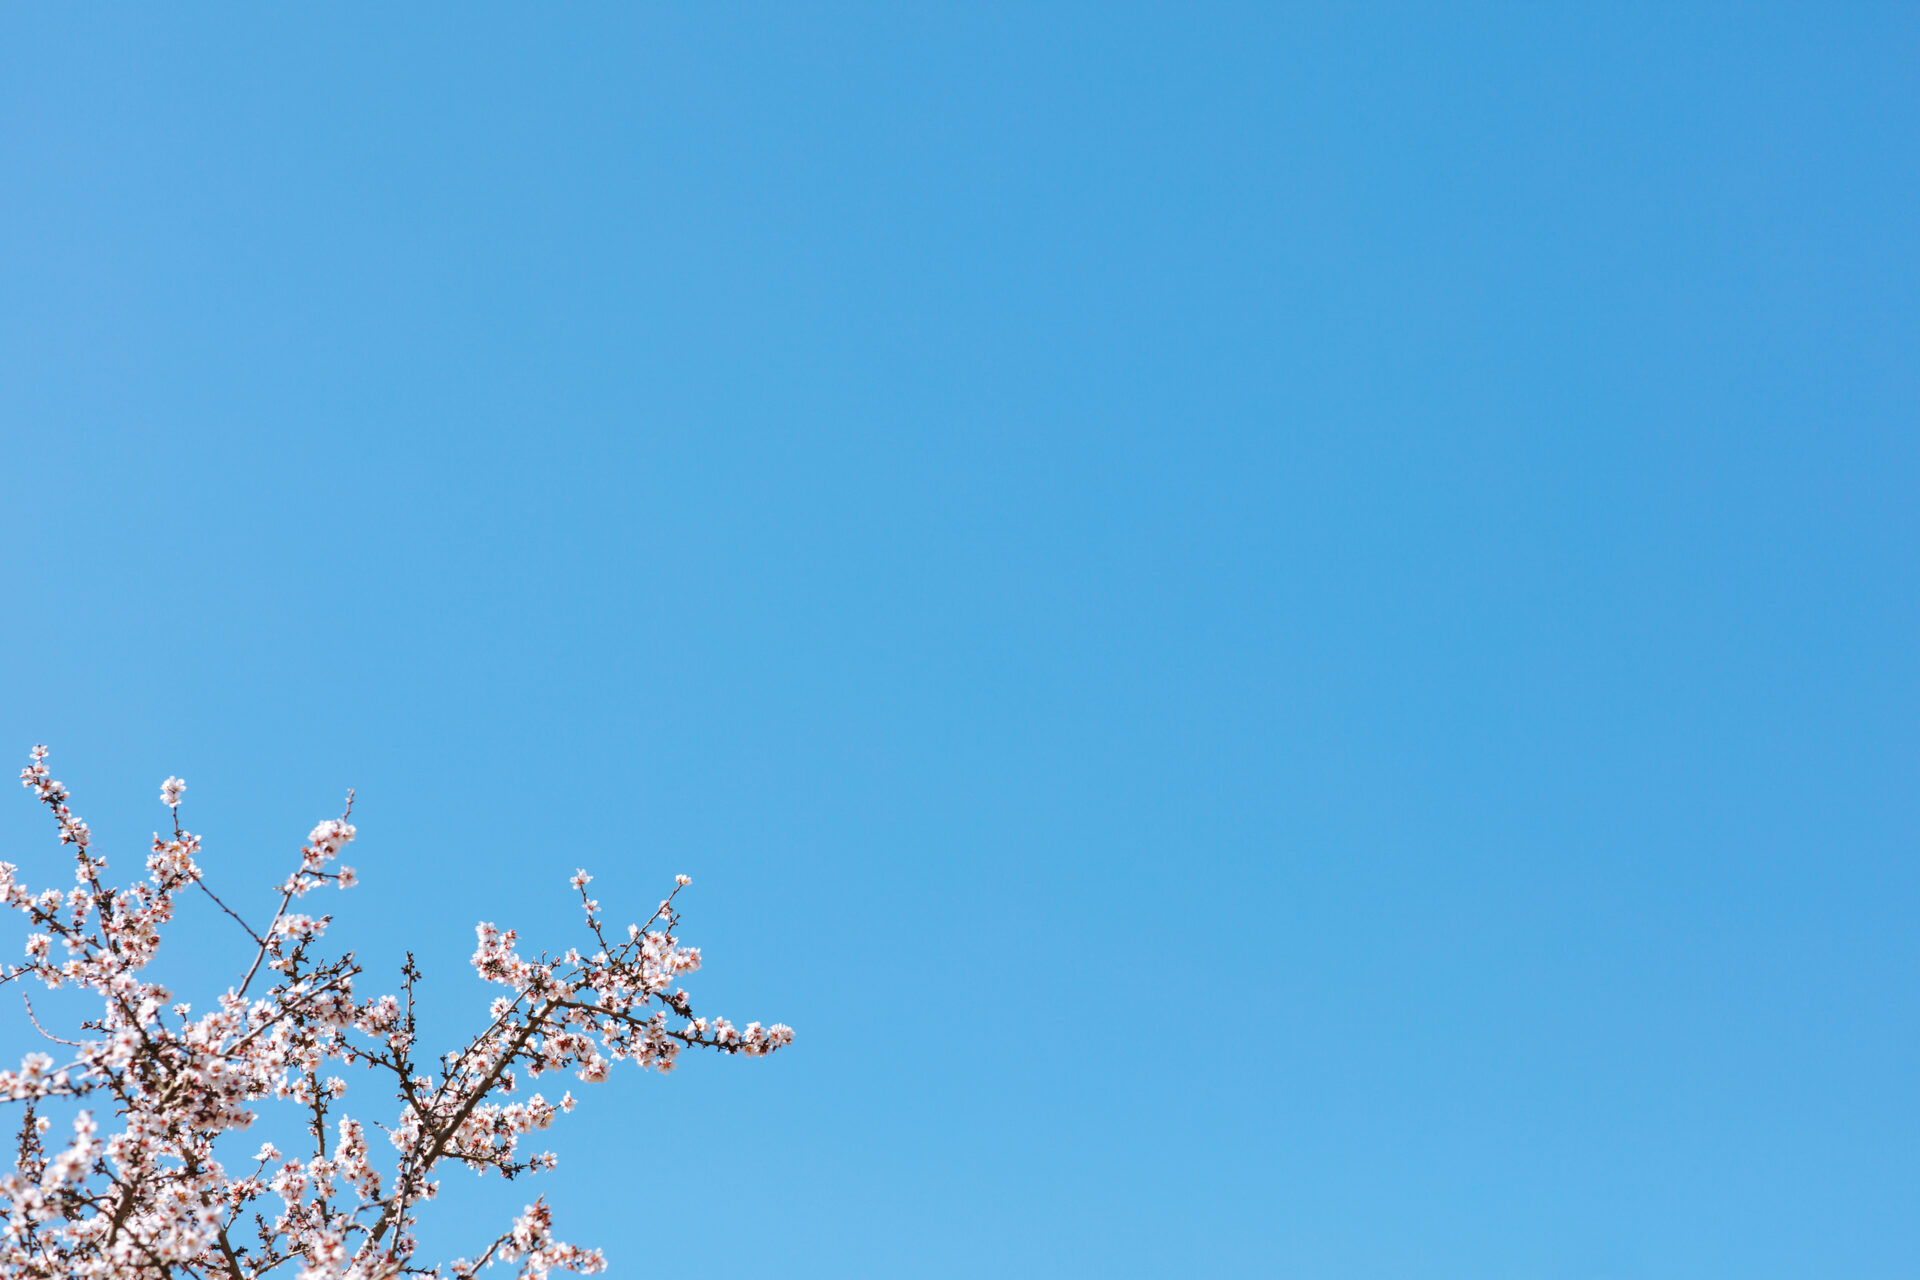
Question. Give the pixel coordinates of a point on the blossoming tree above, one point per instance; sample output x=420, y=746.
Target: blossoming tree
x=166, y=1193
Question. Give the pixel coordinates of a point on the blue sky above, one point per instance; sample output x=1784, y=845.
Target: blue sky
x=1286, y=635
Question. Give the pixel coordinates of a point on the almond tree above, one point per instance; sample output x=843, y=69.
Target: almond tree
x=152, y=1184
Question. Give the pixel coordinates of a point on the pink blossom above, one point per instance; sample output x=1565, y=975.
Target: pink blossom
x=152, y=1198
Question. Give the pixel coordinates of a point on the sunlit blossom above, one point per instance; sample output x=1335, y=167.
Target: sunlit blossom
x=152, y=1199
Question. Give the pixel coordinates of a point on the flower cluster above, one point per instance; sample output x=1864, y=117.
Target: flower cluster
x=165, y=1192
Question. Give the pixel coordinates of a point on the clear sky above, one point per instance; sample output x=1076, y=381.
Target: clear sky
x=1286, y=635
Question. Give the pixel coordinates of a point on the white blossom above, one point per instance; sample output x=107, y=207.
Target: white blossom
x=152, y=1198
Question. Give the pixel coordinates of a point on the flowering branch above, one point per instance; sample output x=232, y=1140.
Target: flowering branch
x=155, y=1199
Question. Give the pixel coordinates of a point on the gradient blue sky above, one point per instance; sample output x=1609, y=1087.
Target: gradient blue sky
x=1287, y=635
